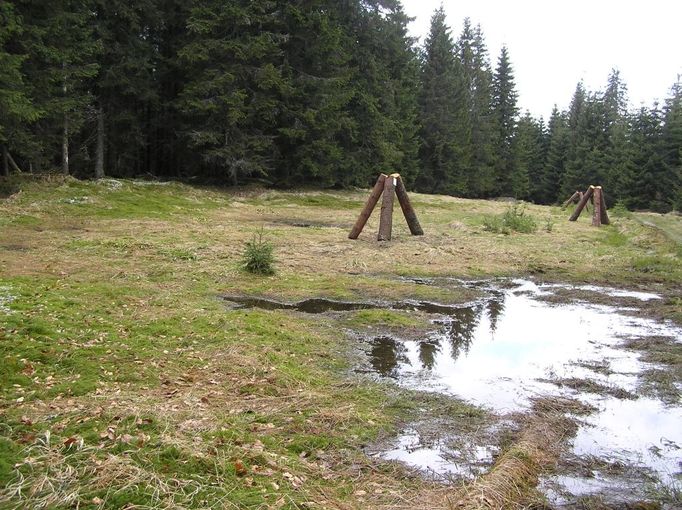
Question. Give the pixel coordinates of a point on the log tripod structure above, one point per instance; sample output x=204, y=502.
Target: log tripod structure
x=386, y=188
x=599, y=214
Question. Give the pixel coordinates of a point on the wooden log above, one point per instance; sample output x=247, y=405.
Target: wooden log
x=5, y=161
x=369, y=207
x=13, y=163
x=604, y=215
x=575, y=196
x=386, y=218
x=581, y=205
x=406, y=206
x=99, y=148
x=596, y=200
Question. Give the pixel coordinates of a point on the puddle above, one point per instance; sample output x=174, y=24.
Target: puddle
x=502, y=352
x=513, y=347
x=315, y=305
x=322, y=305
x=438, y=458
x=506, y=350
x=608, y=291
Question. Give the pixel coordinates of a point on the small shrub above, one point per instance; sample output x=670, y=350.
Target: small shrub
x=495, y=224
x=549, y=224
x=619, y=210
x=258, y=258
x=514, y=219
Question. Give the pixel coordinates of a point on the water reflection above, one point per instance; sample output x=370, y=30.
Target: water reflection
x=387, y=355
x=427, y=353
x=459, y=329
x=495, y=309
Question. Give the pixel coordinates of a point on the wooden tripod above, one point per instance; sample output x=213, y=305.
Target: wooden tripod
x=387, y=186
x=599, y=215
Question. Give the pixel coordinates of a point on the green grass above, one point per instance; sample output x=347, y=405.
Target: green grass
x=384, y=318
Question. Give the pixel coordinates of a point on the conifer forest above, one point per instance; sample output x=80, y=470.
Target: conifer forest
x=313, y=93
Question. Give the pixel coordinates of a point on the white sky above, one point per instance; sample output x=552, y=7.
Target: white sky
x=553, y=44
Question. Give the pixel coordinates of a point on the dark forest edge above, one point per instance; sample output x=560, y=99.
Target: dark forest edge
x=322, y=93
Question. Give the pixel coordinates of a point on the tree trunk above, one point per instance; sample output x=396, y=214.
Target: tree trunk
x=406, y=206
x=597, y=201
x=13, y=164
x=575, y=196
x=99, y=156
x=5, y=161
x=581, y=205
x=604, y=215
x=65, y=146
x=386, y=220
x=369, y=207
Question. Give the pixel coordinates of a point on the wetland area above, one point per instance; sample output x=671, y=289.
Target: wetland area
x=513, y=350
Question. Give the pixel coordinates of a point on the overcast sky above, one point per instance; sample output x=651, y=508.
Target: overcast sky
x=553, y=44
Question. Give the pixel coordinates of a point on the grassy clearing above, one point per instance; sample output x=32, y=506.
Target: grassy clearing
x=125, y=380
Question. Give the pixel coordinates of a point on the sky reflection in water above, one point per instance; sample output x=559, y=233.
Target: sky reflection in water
x=500, y=352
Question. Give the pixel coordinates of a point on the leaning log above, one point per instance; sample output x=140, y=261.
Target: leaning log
x=406, y=206
x=369, y=207
x=596, y=214
x=13, y=163
x=581, y=205
x=5, y=161
x=574, y=197
x=386, y=218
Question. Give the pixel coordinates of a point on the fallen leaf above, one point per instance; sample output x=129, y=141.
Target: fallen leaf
x=27, y=438
x=70, y=441
x=239, y=468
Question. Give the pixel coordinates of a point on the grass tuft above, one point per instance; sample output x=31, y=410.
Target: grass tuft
x=513, y=219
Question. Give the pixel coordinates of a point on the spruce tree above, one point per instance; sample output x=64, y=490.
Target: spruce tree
x=505, y=111
x=16, y=108
x=63, y=60
x=672, y=144
x=314, y=122
x=127, y=86
x=650, y=185
x=231, y=101
x=557, y=142
x=617, y=160
x=443, y=117
x=529, y=155
x=384, y=84
x=478, y=78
